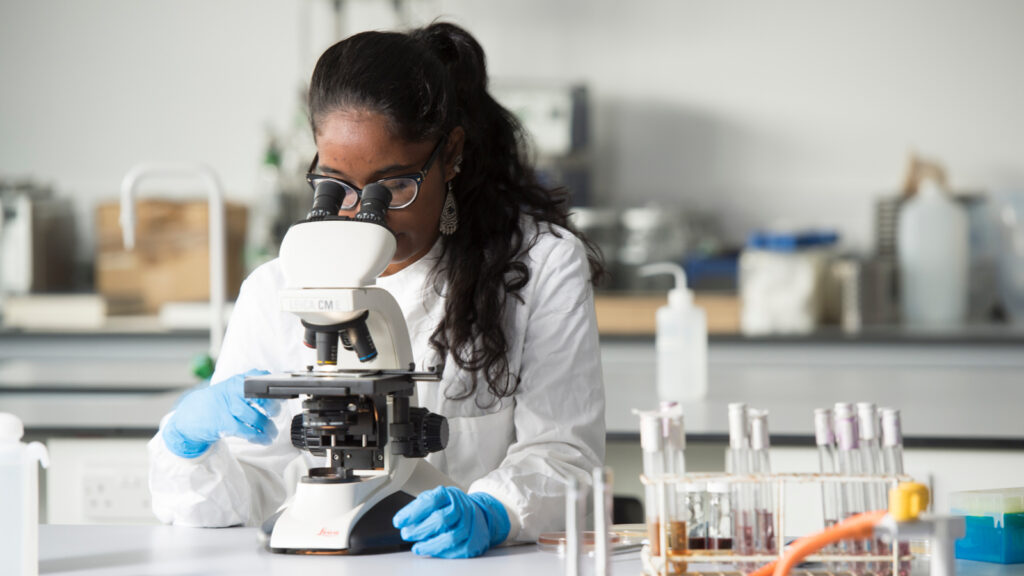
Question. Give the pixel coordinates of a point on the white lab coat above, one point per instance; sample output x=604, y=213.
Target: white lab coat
x=519, y=449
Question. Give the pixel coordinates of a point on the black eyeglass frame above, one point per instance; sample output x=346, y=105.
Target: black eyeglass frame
x=313, y=178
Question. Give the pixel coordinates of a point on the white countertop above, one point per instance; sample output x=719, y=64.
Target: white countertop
x=85, y=550
x=138, y=550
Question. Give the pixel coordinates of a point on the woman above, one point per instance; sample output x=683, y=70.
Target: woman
x=490, y=277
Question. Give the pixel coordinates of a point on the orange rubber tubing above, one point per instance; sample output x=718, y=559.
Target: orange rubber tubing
x=856, y=527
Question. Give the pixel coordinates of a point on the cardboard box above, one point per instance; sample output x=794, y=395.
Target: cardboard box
x=170, y=262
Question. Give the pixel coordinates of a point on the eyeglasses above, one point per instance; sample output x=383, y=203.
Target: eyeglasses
x=404, y=189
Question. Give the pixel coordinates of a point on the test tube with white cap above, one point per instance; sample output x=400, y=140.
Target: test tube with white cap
x=763, y=496
x=744, y=521
x=825, y=438
x=892, y=460
x=851, y=494
x=871, y=464
x=892, y=441
x=663, y=442
x=871, y=454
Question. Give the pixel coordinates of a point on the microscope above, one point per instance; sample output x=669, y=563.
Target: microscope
x=358, y=409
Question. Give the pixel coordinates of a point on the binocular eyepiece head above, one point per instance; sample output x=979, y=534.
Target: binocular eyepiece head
x=374, y=204
x=329, y=196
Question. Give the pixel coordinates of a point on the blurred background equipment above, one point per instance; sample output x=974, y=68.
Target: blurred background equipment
x=556, y=115
x=37, y=239
x=933, y=258
x=170, y=261
x=1010, y=211
x=782, y=281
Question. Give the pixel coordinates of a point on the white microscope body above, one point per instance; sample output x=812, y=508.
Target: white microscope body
x=357, y=406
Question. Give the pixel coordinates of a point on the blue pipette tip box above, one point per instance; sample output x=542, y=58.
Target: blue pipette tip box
x=995, y=525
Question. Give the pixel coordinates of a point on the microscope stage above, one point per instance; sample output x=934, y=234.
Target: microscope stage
x=331, y=384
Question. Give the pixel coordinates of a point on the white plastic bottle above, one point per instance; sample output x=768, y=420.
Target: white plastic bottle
x=19, y=499
x=933, y=250
x=681, y=341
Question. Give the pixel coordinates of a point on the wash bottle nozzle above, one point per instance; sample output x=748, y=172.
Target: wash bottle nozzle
x=680, y=294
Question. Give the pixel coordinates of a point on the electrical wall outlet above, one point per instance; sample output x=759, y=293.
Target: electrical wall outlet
x=98, y=481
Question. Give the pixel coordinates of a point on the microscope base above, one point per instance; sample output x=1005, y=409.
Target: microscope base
x=350, y=517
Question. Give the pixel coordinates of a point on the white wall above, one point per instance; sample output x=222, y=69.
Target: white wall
x=795, y=111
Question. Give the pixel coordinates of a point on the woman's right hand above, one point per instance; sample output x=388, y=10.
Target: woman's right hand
x=208, y=414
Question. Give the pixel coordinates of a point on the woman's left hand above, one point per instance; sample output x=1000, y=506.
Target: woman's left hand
x=448, y=523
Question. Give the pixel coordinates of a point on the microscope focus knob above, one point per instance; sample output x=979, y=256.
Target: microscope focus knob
x=434, y=433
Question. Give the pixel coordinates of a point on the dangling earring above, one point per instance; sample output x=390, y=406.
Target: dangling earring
x=449, y=213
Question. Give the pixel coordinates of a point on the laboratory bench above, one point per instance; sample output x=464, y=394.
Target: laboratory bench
x=97, y=398
x=112, y=550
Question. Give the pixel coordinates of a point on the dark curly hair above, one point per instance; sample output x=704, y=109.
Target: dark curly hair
x=427, y=82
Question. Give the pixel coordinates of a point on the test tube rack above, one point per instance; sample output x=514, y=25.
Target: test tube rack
x=726, y=562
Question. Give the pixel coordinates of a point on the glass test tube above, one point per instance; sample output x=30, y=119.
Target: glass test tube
x=575, y=514
x=696, y=498
x=892, y=441
x=719, y=516
x=603, y=482
x=764, y=500
x=743, y=506
x=663, y=441
x=871, y=454
x=851, y=494
x=892, y=462
x=825, y=438
x=871, y=465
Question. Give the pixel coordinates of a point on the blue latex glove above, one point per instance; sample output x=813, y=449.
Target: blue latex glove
x=448, y=523
x=205, y=415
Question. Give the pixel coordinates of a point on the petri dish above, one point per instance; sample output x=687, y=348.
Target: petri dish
x=630, y=534
x=556, y=541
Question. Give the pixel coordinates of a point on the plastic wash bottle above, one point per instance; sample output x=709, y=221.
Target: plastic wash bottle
x=681, y=341
x=932, y=248
x=19, y=499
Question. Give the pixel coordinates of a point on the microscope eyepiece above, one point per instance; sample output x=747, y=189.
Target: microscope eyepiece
x=327, y=199
x=374, y=204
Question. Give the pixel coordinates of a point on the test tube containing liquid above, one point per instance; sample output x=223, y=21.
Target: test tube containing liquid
x=663, y=441
x=825, y=438
x=719, y=515
x=764, y=501
x=696, y=498
x=871, y=464
x=851, y=494
x=892, y=462
x=743, y=505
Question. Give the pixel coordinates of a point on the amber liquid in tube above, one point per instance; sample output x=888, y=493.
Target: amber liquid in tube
x=677, y=541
